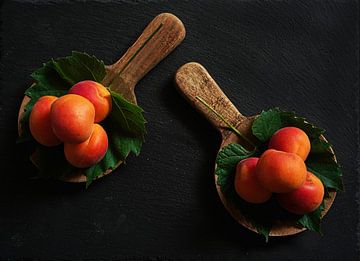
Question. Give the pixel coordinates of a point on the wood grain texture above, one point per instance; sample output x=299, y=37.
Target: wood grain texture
x=193, y=80
x=159, y=38
x=163, y=34
x=296, y=55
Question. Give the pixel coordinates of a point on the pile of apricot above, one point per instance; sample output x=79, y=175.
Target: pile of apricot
x=281, y=170
x=73, y=119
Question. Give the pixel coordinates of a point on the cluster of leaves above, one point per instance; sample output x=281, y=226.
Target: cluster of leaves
x=320, y=161
x=125, y=124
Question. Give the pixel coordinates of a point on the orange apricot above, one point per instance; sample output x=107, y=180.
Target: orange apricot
x=97, y=94
x=72, y=118
x=246, y=184
x=280, y=172
x=305, y=199
x=40, y=124
x=89, y=152
x=292, y=140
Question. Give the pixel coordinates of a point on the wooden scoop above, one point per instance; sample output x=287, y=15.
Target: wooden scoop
x=159, y=38
x=194, y=81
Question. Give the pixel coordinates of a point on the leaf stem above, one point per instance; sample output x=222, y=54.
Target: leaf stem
x=236, y=131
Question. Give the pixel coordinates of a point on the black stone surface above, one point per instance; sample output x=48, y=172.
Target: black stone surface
x=162, y=205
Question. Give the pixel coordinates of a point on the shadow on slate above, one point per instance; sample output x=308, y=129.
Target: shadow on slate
x=163, y=205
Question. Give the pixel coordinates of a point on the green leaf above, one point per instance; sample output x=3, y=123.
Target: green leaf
x=125, y=127
x=79, y=67
x=95, y=66
x=319, y=146
x=93, y=172
x=290, y=119
x=312, y=220
x=231, y=154
x=327, y=170
x=263, y=228
x=129, y=144
x=266, y=124
x=227, y=160
x=46, y=79
x=127, y=115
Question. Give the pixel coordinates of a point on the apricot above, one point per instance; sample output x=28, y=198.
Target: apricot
x=89, y=152
x=305, y=199
x=246, y=184
x=40, y=124
x=291, y=139
x=97, y=94
x=280, y=172
x=72, y=118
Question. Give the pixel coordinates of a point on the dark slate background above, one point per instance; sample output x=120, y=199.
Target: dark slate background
x=163, y=205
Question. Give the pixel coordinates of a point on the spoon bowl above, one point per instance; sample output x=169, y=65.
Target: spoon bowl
x=162, y=35
x=194, y=81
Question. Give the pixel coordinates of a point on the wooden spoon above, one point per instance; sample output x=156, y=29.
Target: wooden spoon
x=194, y=81
x=159, y=38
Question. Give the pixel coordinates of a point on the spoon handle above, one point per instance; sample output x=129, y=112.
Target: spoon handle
x=159, y=38
x=194, y=81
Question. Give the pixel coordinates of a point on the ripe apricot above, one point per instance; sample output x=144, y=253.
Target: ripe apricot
x=305, y=199
x=72, y=118
x=280, y=172
x=97, y=94
x=246, y=184
x=89, y=152
x=40, y=124
x=291, y=139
